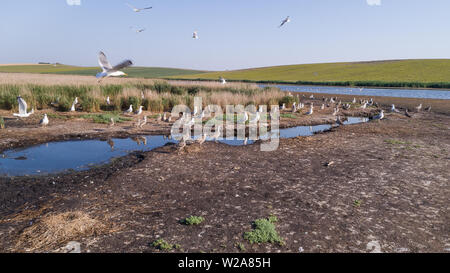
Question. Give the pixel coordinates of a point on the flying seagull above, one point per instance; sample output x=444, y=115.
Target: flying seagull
x=138, y=30
x=136, y=9
x=23, y=108
x=108, y=69
x=195, y=35
x=287, y=20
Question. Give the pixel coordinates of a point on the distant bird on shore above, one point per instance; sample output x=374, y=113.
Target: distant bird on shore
x=222, y=80
x=216, y=134
x=322, y=107
x=108, y=101
x=44, y=122
x=393, y=109
x=109, y=70
x=143, y=122
x=285, y=21
x=364, y=106
x=138, y=9
x=408, y=114
x=23, y=108
x=202, y=139
x=130, y=110
x=418, y=108
x=75, y=102
x=294, y=107
x=354, y=100
x=283, y=107
x=139, y=112
x=112, y=122
x=380, y=116
x=339, y=121
x=195, y=35
x=311, y=110
x=428, y=109
x=245, y=141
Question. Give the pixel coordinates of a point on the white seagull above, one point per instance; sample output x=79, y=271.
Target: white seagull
x=138, y=112
x=311, y=110
x=137, y=9
x=195, y=35
x=380, y=116
x=44, y=121
x=287, y=20
x=23, y=108
x=108, y=101
x=222, y=79
x=130, y=110
x=108, y=69
x=393, y=109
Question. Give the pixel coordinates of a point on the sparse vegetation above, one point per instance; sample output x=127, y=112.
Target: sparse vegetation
x=161, y=244
x=193, y=220
x=264, y=232
x=357, y=203
x=2, y=123
x=396, y=142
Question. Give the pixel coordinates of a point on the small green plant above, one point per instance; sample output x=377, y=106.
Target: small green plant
x=398, y=142
x=161, y=244
x=193, y=220
x=264, y=232
x=241, y=247
x=357, y=203
x=288, y=115
x=2, y=123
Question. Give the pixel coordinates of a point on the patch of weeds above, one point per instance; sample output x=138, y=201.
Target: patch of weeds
x=241, y=247
x=264, y=232
x=161, y=244
x=284, y=115
x=106, y=118
x=396, y=142
x=57, y=116
x=2, y=123
x=357, y=203
x=193, y=220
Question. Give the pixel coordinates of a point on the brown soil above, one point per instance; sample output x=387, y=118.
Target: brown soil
x=388, y=186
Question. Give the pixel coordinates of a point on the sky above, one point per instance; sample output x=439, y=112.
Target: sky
x=233, y=34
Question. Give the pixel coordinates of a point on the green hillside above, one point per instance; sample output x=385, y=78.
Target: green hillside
x=139, y=72
x=414, y=73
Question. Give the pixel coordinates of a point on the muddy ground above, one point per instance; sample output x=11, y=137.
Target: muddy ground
x=386, y=190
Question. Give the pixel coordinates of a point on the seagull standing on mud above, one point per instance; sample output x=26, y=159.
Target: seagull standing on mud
x=393, y=109
x=285, y=21
x=108, y=101
x=109, y=70
x=311, y=110
x=44, y=121
x=138, y=9
x=139, y=112
x=418, y=108
x=380, y=116
x=143, y=122
x=23, y=108
x=130, y=110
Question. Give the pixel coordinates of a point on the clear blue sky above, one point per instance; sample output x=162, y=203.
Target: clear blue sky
x=233, y=33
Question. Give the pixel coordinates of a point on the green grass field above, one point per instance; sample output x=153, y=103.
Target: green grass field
x=396, y=73
x=137, y=72
x=402, y=73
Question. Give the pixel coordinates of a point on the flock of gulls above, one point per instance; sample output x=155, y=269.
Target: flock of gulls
x=191, y=118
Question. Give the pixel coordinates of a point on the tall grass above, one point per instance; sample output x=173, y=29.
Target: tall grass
x=158, y=96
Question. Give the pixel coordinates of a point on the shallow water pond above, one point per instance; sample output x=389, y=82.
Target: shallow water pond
x=54, y=157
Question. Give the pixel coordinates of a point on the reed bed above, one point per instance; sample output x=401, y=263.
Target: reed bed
x=58, y=92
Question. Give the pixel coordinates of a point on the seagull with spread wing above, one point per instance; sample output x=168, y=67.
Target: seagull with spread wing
x=285, y=21
x=195, y=35
x=136, y=9
x=23, y=108
x=109, y=70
